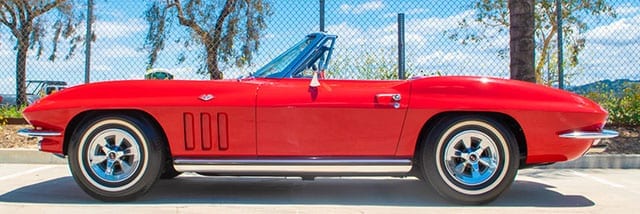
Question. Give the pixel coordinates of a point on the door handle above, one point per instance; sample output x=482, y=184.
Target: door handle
x=392, y=99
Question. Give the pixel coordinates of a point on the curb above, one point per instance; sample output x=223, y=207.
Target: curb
x=599, y=161
x=29, y=156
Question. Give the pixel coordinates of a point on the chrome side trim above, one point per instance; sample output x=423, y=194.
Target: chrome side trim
x=295, y=166
x=590, y=135
x=38, y=133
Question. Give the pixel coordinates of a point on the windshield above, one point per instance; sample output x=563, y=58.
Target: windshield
x=278, y=65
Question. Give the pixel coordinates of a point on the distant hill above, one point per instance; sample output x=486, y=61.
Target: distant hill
x=617, y=86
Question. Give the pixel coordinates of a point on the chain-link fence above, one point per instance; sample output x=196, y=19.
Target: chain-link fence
x=442, y=38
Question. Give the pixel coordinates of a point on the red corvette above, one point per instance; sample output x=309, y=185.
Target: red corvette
x=466, y=136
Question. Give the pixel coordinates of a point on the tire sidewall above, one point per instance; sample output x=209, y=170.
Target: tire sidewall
x=436, y=173
x=146, y=173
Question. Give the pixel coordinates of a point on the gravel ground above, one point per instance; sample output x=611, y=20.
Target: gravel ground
x=11, y=140
x=627, y=143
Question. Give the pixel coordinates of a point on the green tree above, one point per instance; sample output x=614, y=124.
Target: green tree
x=493, y=17
x=28, y=21
x=215, y=26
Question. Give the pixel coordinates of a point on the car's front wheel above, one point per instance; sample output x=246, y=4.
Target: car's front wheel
x=470, y=159
x=115, y=158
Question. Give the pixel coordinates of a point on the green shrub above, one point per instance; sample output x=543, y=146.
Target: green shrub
x=11, y=112
x=624, y=108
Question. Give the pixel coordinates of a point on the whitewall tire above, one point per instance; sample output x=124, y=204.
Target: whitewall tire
x=470, y=159
x=115, y=158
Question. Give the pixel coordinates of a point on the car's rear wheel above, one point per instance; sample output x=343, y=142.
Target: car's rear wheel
x=116, y=158
x=470, y=159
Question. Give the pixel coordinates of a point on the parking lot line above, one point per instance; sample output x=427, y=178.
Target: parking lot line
x=599, y=180
x=6, y=177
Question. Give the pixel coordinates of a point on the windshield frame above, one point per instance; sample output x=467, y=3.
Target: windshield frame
x=288, y=68
x=309, y=43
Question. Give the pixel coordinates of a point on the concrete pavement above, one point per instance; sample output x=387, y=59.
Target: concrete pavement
x=48, y=188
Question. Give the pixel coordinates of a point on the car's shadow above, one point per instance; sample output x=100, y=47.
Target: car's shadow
x=352, y=191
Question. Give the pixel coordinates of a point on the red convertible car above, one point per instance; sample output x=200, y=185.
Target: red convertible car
x=465, y=136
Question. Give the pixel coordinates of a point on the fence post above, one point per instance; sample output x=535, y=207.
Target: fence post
x=560, y=45
x=401, y=59
x=87, y=44
x=321, y=15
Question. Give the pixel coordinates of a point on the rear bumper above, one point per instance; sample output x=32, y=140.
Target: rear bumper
x=596, y=147
x=590, y=135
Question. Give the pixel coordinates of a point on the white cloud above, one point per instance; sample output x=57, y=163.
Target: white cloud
x=362, y=8
x=414, y=11
x=441, y=57
x=349, y=36
x=120, y=51
x=6, y=50
x=621, y=32
x=117, y=29
x=7, y=85
x=101, y=68
x=413, y=40
x=626, y=10
x=433, y=26
x=268, y=36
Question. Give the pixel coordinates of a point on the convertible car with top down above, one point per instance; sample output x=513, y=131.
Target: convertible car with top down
x=465, y=136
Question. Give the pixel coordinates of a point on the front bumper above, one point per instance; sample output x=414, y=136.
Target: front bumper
x=38, y=133
x=596, y=147
x=45, y=140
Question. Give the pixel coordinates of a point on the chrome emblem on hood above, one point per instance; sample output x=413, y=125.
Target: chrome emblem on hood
x=206, y=97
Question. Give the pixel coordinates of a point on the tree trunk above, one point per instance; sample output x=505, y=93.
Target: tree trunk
x=212, y=64
x=521, y=45
x=21, y=72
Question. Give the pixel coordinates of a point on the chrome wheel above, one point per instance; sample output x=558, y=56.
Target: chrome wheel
x=116, y=158
x=114, y=155
x=471, y=157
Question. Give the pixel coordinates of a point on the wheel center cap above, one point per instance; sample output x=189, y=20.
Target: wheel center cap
x=112, y=155
x=473, y=157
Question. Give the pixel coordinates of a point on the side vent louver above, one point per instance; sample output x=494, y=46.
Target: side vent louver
x=206, y=132
x=189, y=132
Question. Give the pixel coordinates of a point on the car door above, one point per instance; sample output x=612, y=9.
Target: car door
x=339, y=118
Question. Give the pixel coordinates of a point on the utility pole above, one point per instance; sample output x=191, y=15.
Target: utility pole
x=401, y=59
x=321, y=15
x=87, y=43
x=560, y=45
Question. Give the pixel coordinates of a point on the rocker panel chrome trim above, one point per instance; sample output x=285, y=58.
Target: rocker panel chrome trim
x=303, y=166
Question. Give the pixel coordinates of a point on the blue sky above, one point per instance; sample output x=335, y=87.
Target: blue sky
x=612, y=51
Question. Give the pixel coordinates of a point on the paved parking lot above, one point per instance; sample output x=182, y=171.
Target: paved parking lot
x=50, y=189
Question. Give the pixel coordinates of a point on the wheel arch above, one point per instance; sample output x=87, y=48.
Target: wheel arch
x=77, y=121
x=506, y=120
